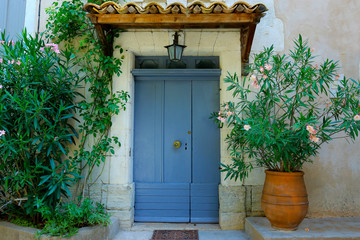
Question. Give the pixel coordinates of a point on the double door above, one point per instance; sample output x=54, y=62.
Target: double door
x=176, y=150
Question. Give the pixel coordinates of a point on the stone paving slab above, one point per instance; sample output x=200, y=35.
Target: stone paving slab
x=203, y=235
x=259, y=228
x=144, y=231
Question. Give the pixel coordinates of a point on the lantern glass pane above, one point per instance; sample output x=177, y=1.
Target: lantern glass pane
x=178, y=52
x=171, y=50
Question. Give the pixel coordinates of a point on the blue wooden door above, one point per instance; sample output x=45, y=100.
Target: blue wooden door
x=176, y=184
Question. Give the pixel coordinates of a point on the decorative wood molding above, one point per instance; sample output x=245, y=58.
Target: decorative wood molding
x=241, y=15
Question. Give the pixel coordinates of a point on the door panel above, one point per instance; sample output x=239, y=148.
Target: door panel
x=177, y=123
x=162, y=202
x=205, y=153
x=148, y=131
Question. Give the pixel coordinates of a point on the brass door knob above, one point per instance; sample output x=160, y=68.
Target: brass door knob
x=177, y=144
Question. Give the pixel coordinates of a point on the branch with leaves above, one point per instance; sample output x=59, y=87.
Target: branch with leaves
x=280, y=119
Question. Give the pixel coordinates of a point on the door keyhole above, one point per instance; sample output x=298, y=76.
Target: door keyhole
x=185, y=146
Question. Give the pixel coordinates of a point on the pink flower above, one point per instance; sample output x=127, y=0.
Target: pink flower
x=261, y=69
x=2, y=42
x=1, y=86
x=229, y=113
x=222, y=120
x=220, y=112
x=337, y=77
x=314, y=139
x=52, y=46
x=2, y=132
x=255, y=84
x=357, y=117
x=311, y=130
x=247, y=127
x=268, y=67
x=226, y=107
x=18, y=62
x=265, y=77
x=11, y=43
x=253, y=77
x=1, y=60
x=55, y=138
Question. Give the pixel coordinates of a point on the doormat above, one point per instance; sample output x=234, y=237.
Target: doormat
x=175, y=235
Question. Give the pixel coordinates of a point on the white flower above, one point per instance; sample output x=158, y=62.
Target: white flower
x=247, y=127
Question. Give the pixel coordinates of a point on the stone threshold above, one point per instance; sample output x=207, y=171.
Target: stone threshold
x=259, y=228
x=138, y=226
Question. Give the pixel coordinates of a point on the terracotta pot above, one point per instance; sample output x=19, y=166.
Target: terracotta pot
x=284, y=199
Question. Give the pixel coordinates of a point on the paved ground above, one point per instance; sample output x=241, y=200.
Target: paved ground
x=311, y=228
x=203, y=235
x=144, y=231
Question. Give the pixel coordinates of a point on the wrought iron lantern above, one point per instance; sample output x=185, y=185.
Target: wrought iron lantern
x=175, y=50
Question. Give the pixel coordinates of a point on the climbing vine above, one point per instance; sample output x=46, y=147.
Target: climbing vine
x=68, y=26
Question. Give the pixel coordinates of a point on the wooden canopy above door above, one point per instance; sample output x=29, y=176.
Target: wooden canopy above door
x=176, y=16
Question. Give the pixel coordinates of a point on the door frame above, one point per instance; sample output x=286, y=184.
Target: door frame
x=176, y=75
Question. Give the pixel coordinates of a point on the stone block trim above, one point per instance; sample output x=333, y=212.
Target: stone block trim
x=237, y=203
x=118, y=199
x=253, y=201
x=232, y=207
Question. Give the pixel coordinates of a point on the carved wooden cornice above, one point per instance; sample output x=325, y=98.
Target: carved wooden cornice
x=176, y=16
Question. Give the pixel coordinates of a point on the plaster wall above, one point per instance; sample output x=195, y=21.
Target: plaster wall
x=332, y=28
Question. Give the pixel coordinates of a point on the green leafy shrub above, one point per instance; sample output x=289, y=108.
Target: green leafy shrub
x=37, y=94
x=286, y=108
x=67, y=218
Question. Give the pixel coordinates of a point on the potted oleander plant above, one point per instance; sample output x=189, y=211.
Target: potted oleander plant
x=285, y=109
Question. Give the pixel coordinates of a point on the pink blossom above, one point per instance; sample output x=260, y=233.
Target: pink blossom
x=52, y=46
x=265, y=77
x=1, y=60
x=268, y=67
x=2, y=42
x=261, y=69
x=11, y=62
x=357, y=117
x=1, y=86
x=314, y=139
x=255, y=84
x=220, y=112
x=18, y=62
x=229, y=113
x=2, y=132
x=247, y=127
x=226, y=107
x=222, y=120
x=311, y=130
x=253, y=77
x=337, y=77
x=55, y=138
